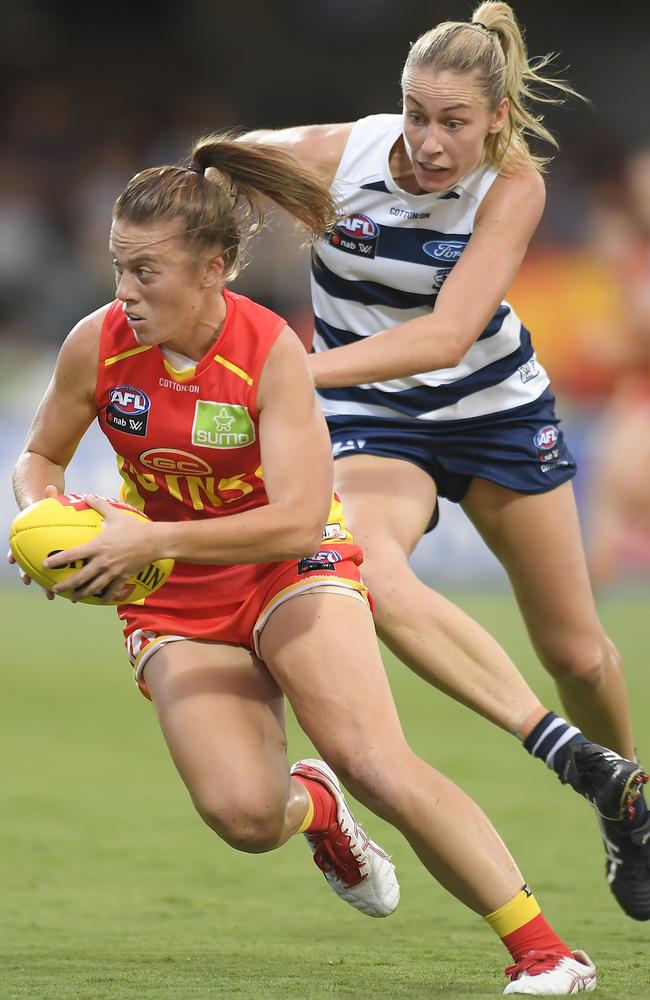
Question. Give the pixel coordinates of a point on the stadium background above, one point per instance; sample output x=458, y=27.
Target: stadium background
x=94, y=92
x=111, y=887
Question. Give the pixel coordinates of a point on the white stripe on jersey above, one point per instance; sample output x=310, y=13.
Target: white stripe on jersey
x=480, y=354
x=409, y=245
x=506, y=395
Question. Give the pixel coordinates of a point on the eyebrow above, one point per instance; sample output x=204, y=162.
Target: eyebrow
x=135, y=260
x=447, y=107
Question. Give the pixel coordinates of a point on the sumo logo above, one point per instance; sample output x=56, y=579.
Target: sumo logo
x=358, y=227
x=174, y=462
x=547, y=438
x=222, y=425
x=128, y=400
x=444, y=250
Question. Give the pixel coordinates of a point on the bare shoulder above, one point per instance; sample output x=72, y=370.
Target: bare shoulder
x=317, y=146
x=526, y=186
x=79, y=355
x=514, y=202
x=286, y=367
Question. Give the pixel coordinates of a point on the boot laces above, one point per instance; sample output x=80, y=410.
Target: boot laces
x=534, y=963
x=334, y=856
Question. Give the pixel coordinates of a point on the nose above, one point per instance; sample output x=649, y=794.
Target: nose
x=124, y=288
x=432, y=145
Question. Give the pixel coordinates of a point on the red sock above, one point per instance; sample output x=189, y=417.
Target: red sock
x=536, y=935
x=323, y=803
x=522, y=927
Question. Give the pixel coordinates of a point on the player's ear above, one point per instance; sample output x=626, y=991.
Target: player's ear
x=214, y=267
x=500, y=117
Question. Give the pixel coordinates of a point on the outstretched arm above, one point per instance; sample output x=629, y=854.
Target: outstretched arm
x=505, y=222
x=319, y=147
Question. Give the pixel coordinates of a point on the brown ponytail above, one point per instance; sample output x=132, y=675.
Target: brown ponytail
x=226, y=208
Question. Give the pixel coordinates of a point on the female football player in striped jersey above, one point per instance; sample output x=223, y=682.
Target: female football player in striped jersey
x=431, y=386
x=265, y=597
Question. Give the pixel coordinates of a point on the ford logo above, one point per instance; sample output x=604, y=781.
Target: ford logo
x=445, y=250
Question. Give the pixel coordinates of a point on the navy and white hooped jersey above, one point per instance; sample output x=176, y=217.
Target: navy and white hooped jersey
x=385, y=263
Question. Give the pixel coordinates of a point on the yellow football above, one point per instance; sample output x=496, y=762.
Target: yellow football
x=63, y=522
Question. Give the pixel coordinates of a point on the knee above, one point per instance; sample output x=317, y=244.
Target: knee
x=588, y=661
x=374, y=778
x=247, y=825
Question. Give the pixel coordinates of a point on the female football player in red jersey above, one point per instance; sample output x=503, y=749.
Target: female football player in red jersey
x=198, y=390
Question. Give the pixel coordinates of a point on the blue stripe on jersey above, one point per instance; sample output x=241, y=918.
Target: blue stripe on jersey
x=368, y=293
x=423, y=399
x=333, y=336
x=496, y=322
x=407, y=245
x=375, y=186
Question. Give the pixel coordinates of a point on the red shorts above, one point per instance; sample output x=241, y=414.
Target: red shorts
x=231, y=604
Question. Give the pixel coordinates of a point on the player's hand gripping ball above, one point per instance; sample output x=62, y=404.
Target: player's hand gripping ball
x=58, y=523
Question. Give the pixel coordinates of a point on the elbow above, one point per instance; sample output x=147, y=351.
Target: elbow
x=307, y=543
x=456, y=347
x=306, y=536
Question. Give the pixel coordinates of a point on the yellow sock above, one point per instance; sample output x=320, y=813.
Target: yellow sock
x=513, y=915
x=309, y=815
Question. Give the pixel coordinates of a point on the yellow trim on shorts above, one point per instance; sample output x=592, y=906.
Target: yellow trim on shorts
x=303, y=586
x=513, y=915
x=140, y=662
x=126, y=354
x=232, y=367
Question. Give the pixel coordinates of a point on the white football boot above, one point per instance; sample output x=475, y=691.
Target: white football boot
x=541, y=973
x=355, y=867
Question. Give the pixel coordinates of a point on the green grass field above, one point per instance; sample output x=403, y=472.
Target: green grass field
x=112, y=888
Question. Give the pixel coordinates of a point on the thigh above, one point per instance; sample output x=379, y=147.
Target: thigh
x=222, y=716
x=384, y=498
x=537, y=539
x=322, y=650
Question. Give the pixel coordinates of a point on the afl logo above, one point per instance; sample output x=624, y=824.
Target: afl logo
x=358, y=227
x=174, y=462
x=547, y=438
x=129, y=401
x=445, y=250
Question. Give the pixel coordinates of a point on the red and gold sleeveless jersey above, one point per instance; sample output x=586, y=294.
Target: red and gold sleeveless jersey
x=187, y=444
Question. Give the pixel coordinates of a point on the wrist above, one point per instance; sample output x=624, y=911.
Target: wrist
x=160, y=541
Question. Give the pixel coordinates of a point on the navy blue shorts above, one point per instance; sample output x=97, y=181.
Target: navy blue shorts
x=521, y=449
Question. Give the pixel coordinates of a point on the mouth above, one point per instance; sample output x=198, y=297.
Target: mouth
x=133, y=319
x=432, y=170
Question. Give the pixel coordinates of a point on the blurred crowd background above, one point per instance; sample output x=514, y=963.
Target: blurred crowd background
x=94, y=92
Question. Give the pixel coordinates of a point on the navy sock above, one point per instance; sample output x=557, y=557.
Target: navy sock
x=550, y=740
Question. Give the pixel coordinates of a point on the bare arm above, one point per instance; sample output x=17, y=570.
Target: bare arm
x=317, y=146
x=505, y=222
x=297, y=475
x=63, y=416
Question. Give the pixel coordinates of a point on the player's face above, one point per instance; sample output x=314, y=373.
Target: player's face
x=169, y=293
x=446, y=123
